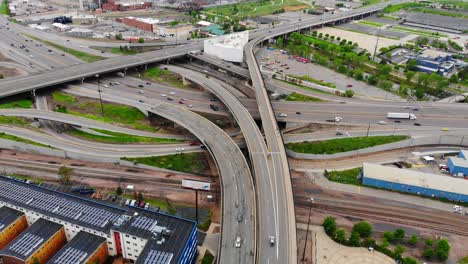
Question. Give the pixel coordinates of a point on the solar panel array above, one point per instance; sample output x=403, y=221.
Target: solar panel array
x=71, y=256
x=143, y=222
x=158, y=257
x=26, y=244
x=70, y=209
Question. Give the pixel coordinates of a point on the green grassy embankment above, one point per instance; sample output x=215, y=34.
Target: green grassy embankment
x=184, y=162
x=120, y=138
x=342, y=144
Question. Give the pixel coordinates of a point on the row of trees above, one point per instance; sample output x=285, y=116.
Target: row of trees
x=361, y=236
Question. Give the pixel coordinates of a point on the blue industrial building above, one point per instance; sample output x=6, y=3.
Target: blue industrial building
x=459, y=165
x=432, y=61
x=424, y=184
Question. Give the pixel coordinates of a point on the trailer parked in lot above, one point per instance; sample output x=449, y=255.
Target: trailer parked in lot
x=401, y=116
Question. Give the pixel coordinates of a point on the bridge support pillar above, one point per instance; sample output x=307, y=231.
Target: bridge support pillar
x=146, y=67
x=82, y=80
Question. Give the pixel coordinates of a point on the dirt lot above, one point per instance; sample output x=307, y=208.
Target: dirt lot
x=365, y=41
x=8, y=72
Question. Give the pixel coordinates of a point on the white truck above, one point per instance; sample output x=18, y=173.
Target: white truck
x=401, y=116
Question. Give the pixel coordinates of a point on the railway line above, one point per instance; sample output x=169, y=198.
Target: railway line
x=435, y=220
x=133, y=176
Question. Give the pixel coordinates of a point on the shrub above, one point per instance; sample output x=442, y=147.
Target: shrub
x=329, y=225
x=399, y=234
x=428, y=253
x=340, y=236
x=363, y=228
x=413, y=240
x=354, y=239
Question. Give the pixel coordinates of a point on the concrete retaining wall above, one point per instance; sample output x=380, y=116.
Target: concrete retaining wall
x=424, y=141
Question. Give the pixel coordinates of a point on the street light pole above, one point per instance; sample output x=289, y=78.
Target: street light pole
x=307, y=236
x=100, y=97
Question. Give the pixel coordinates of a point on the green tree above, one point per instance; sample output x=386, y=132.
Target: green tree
x=443, y=249
x=358, y=75
x=372, y=79
x=413, y=240
x=399, y=234
x=409, y=260
x=453, y=78
x=65, y=175
x=354, y=239
x=389, y=236
x=329, y=225
x=118, y=36
x=141, y=40
x=428, y=253
x=412, y=65
x=119, y=191
x=140, y=196
x=363, y=228
x=409, y=75
x=399, y=250
x=384, y=69
x=340, y=236
x=280, y=42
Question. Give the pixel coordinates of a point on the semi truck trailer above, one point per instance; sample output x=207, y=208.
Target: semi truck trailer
x=401, y=116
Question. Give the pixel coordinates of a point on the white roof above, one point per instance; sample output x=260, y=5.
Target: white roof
x=415, y=178
x=60, y=25
x=459, y=162
x=147, y=20
x=465, y=153
x=235, y=40
x=204, y=23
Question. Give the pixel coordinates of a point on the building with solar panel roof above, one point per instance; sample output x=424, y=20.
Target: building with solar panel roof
x=12, y=223
x=37, y=244
x=83, y=248
x=139, y=235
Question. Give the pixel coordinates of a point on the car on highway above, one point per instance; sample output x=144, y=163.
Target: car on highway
x=172, y=93
x=282, y=115
x=272, y=241
x=169, y=99
x=349, y=85
x=141, y=101
x=382, y=123
x=339, y=133
x=189, y=106
x=140, y=85
x=214, y=107
x=445, y=129
x=237, y=243
x=181, y=102
x=140, y=92
x=397, y=121
x=298, y=113
x=163, y=95
x=417, y=124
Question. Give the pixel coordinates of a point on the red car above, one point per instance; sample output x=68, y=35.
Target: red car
x=350, y=85
x=181, y=102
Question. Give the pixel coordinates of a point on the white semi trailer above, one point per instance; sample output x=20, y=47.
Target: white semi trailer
x=401, y=116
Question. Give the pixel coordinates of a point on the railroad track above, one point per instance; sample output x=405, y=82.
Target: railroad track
x=131, y=177
x=439, y=220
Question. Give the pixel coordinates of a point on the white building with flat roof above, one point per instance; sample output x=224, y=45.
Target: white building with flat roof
x=228, y=47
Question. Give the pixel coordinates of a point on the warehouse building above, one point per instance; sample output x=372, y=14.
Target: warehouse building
x=410, y=181
x=12, y=223
x=229, y=47
x=83, y=248
x=434, y=61
x=459, y=165
x=135, y=234
x=37, y=244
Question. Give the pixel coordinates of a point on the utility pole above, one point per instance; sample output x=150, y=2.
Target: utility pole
x=376, y=44
x=100, y=97
x=368, y=128
x=307, y=236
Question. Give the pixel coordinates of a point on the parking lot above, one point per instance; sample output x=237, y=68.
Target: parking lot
x=318, y=72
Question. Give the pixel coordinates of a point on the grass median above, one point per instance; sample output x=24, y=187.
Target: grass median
x=4, y=8
x=345, y=176
x=183, y=162
x=22, y=140
x=91, y=108
x=120, y=138
x=302, y=98
x=86, y=57
x=164, y=76
x=23, y=103
x=339, y=145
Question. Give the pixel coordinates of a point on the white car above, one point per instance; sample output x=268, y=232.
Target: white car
x=141, y=92
x=163, y=95
x=189, y=106
x=282, y=115
x=127, y=202
x=382, y=122
x=237, y=244
x=172, y=93
x=338, y=119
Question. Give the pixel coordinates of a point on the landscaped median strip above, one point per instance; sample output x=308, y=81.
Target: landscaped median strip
x=86, y=57
x=22, y=140
x=121, y=138
x=339, y=145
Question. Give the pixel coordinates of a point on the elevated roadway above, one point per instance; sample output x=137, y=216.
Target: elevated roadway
x=237, y=186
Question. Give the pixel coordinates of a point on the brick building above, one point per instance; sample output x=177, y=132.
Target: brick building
x=112, y=5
